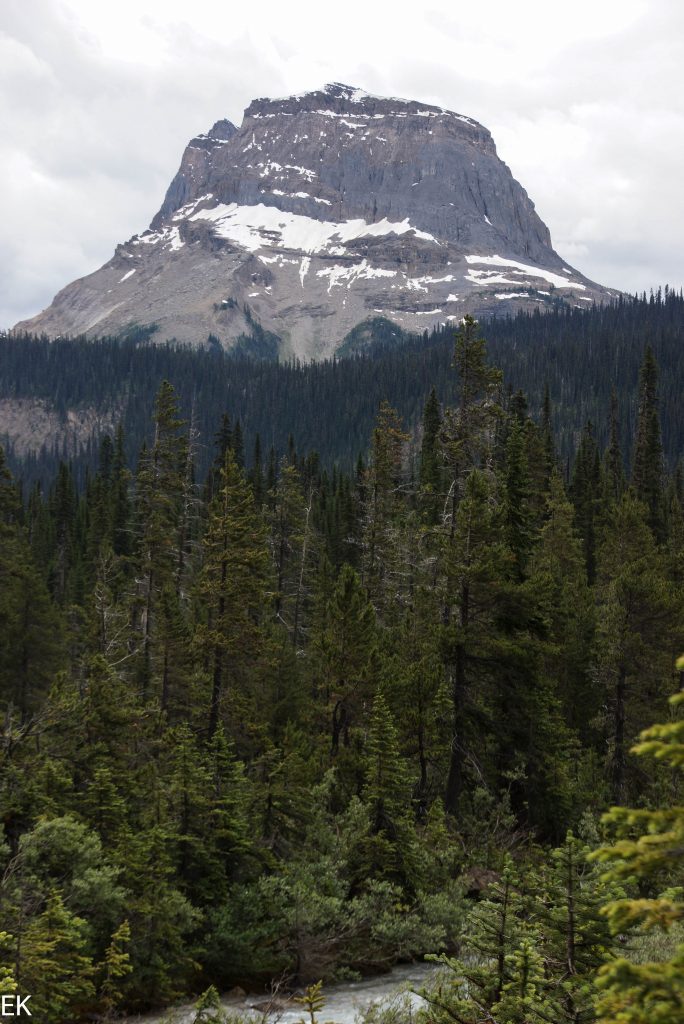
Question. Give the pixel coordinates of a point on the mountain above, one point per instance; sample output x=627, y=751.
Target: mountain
x=323, y=211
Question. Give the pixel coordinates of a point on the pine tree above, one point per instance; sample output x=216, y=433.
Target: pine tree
x=257, y=473
x=584, y=493
x=614, y=480
x=232, y=584
x=53, y=964
x=114, y=969
x=575, y=939
x=431, y=468
x=648, y=847
x=31, y=646
x=160, y=486
x=549, y=446
x=119, y=499
x=417, y=689
x=475, y=564
x=386, y=791
x=207, y=796
x=470, y=988
x=517, y=497
x=522, y=999
x=292, y=546
x=381, y=566
x=647, y=459
x=469, y=429
x=345, y=648
x=558, y=572
x=635, y=604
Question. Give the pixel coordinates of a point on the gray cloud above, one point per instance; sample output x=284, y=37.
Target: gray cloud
x=98, y=102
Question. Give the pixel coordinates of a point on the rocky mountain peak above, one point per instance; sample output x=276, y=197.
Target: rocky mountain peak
x=321, y=211
x=338, y=99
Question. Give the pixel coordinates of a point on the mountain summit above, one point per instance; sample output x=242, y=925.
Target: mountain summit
x=322, y=211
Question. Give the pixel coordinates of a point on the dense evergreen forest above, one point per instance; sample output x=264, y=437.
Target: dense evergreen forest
x=285, y=719
x=580, y=355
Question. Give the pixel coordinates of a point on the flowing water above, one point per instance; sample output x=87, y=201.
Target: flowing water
x=343, y=1002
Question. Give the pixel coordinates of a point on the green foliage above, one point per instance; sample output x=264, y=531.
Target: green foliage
x=312, y=1001
x=208, y=1008
x=648, y=847
x=530, y=948
x=115, y=968
x=53, y=965
x=647, y=460
x=276, y=721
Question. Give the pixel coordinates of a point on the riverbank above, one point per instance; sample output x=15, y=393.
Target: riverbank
x=343, y=1001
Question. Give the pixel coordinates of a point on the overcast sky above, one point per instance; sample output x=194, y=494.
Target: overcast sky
x=585, y=101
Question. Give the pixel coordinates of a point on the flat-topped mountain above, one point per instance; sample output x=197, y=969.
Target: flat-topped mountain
x=322, y=211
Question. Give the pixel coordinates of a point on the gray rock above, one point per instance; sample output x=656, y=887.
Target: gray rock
x=319, y=212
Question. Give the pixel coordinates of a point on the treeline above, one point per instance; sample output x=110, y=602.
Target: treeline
x=330, y=407
x=276, y=720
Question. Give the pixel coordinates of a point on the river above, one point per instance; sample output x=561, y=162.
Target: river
x=342, y=1002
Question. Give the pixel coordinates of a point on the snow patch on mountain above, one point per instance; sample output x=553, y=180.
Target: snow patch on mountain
x=256, y=227
x=524, y=268
x=338, y=275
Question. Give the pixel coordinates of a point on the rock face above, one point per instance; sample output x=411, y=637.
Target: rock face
x=322, y=211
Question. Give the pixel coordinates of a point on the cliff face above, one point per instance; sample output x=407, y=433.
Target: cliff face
x=319, y=212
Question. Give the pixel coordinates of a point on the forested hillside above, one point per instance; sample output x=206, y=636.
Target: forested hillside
x=330, y=407
x=278, y=720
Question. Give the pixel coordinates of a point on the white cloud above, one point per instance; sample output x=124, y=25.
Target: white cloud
x=97, y=101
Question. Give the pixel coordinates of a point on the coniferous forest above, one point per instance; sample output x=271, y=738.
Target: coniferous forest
x=300, y=716
x=579, y=356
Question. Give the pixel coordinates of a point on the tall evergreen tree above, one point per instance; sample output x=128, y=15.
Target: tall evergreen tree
x=635, y=604
x=431, y=466
x=647, y=846
x=383, y=506
x=160, y=486
x=613, y=464
x=647, y=458
x=585, y=492
x=232, y=585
